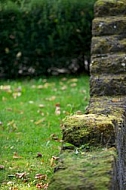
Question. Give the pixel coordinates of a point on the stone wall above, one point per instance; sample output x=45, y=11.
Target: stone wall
x=93, y=155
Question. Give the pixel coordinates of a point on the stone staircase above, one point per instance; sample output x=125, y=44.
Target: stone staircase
x=93, y=155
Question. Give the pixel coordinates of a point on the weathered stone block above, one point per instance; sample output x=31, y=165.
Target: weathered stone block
x=85, y=171
x=108, y=44
x=109, y=26
x=108, y=85
x=110, y=8
x=107, y=105
x=91, y=128
x=108, y=64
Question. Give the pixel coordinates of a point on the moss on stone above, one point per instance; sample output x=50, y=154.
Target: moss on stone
x=116, y=25
x=114, y=63
x=108, y=85
x=108, y=44
x=108, y=105
x=110, y=7
x=85, y=170
x=91, y=128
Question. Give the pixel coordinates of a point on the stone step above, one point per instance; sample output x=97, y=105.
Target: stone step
x=93, y=170
x=108, y=44
x=108, y=64
x=91, y=129
x=116, y=25
x=109, y=85
x=110, y=8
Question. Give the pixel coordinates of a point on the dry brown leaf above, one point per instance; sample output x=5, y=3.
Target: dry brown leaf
x=16, y=94
x=41, y=106
x=13, y=188
x=79, y=112
x=51, y=98
x=41, y=176
x=16, y=156
x=57, y=109
x=64, y=79
x=2, y=167
x=40, y=87
x=73, y=84
x=21, y=175
x=54, y=137
x=42, y=186
x=52, y=161
x=116, y=100
x=5, y=88
x=73, y=80
x=63, y=87
x=18, y=89
x=39, y=155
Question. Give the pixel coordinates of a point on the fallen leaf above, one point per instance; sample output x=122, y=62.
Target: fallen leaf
x=18, y=89
x=19, y=54
x=39, y=155
x=42, y=186
x=116, y=100
x=16, y=156
x=21, y=175
x=10, y=183
x=39, y=121
x=73, y=80
x=57, y=109
x=5, y=88
x=16, y=94
x=51, y=98
x=79, y=112
x=54, y=137
x=41, y=106
x=41, y=176
x=63, y=87
x=64, y=79
x=31, y=102
x=9, y=109
x=13, y=188
x=2, y=167
x=73, y=84
x=52, y=161
x=7, y=50
x=40, y=87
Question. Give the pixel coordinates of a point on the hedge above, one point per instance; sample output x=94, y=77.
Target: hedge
x=40, y=34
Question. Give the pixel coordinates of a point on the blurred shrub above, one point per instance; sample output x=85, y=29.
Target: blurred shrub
x=37, y=35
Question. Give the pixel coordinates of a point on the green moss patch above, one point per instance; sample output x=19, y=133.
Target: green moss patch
x=90, y=128
x=110, y=7
x=86, y=170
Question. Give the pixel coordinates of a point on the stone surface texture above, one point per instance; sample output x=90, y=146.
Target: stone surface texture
x=93, y=155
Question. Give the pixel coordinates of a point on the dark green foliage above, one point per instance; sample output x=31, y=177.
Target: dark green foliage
x=37, y=34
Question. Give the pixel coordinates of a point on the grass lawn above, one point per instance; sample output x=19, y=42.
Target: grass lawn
x=31, y=112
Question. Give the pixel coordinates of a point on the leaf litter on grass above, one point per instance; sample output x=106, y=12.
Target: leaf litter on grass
x=31, y=113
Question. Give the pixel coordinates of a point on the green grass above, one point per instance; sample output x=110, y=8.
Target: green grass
x=30, y=124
